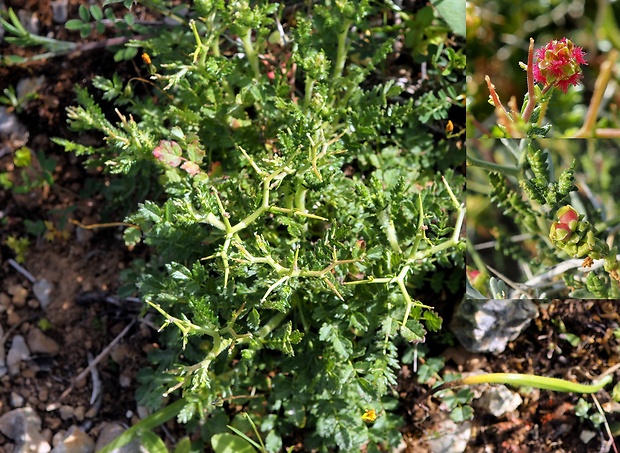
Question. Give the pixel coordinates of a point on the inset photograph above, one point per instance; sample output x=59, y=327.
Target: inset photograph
x=542, y=69
x=543, y=219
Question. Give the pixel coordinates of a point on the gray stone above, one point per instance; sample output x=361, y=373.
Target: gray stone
x=23, y=426
x=11, y=128
x=19, y=351
x=29, y=20
x=451, y=437
x=498, y=400
x=586, y=436
x=28, y=86
x=60, y=11
x=43, y=290
x=16, y=400
x=75, y=441
x=488, y=325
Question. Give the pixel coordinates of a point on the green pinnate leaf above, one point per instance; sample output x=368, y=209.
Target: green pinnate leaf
x=273, y=442
x=341, y=345
x=432, y=320
x=132, y=236
x=194, y=152
x=462, y=413
x=413, y=332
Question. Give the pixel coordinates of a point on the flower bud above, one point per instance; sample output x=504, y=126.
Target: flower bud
x=568, y=216
x=560, y=232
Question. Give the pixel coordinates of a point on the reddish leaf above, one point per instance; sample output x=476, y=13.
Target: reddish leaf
x=168, y=152
x=191, y=167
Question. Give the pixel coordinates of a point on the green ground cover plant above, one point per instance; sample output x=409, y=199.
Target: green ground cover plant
x=302, y=204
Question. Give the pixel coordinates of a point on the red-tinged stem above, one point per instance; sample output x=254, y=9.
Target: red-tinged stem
x=607, y=133
x=531, y=96
x=496, y=102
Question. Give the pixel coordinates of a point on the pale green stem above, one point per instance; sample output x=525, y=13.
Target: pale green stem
x=387, y=223
x=308, y=96
x=341, y=56
x=300, y=195
x=541, y=382
x=524, y=380
x=270, y=326
x=250, y=52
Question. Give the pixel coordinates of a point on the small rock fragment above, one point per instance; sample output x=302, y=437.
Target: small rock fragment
x=16, y=400
x=5, y=301
x=28, y=86
x=19, y=351
x=60, y=11
x=43, y=290
x=90, y=413
x=124, y=381
x=24, y=427
x=12, y=130
x=29, y=20
x=586, y=436
x=65, y=412
x=19, y=294
x=143, y=411
x=79, y=412
x=41, y=343
x=13, y=318
x=75, y=441
x=453, y=437
x=488, y=326
x=498, y=400
x=43, y=394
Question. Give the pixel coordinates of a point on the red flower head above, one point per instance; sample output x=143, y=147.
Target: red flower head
x=559, y=64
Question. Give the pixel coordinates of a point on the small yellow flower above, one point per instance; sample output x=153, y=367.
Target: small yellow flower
x=370, y=415
x=449, y=126
x=146, y=58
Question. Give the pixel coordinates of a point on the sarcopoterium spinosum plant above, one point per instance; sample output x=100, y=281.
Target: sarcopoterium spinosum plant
x=559, y=243
x=551, y=69
x=310, y=218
